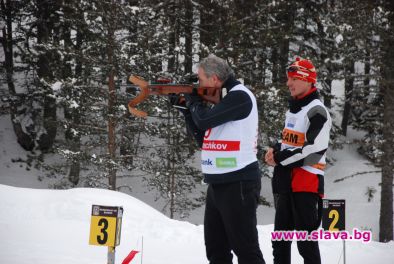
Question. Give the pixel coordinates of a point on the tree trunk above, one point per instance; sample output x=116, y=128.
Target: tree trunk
x=349, y=85
x=367, y=67
x=386, y=203
x=24, y=138
x=6, y=41
x=327, y=46
x=173, y=38
x=275, y=65
x=284, y=60
x=111, y=130
x=171, y=143
x=188, y=37
x=112, y=96
x=280, y=51
x=208, y=12
x=44, y=71
x=327, y=89
x=72, y=115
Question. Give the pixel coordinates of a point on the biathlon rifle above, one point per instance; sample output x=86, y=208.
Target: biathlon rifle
x=165, y=87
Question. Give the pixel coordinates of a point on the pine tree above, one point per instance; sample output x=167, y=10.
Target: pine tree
x=35, y=127
x=10, y=15
x=169, y=146
x=46, y=14
x=386, y=204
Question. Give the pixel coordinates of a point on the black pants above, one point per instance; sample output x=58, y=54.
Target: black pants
x=296, y=211
x=230, y=223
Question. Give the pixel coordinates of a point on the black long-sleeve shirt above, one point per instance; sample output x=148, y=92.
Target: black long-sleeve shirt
x=236, y=105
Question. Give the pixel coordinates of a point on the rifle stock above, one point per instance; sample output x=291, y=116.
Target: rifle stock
x=208, y=94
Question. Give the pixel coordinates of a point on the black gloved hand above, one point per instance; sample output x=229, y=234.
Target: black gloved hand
x=192, y=98
x=175, y=101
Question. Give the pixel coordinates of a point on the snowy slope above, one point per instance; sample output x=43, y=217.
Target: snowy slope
x=360, y=212
x=52, y=226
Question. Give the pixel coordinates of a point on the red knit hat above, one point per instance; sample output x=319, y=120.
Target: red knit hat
x=302, y=69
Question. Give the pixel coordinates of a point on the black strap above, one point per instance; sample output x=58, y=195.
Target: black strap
x=319, y=211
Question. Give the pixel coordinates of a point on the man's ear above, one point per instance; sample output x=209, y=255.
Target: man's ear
x=215, y=77
x=216, y=80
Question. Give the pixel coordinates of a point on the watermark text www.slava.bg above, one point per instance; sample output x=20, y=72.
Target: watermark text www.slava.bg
x=364, y=236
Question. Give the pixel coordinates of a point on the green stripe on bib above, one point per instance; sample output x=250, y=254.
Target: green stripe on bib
x=226, y=162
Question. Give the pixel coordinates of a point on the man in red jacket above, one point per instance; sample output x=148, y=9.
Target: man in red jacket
x=299, y=162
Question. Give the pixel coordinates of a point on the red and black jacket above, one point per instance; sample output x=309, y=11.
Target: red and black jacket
x=292, y=174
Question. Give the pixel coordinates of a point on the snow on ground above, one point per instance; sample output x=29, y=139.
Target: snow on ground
x=360, y=212
x=52, y=226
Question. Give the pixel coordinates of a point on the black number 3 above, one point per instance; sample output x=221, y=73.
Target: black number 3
x=103, y=222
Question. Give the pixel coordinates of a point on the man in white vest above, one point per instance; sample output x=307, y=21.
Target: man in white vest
x=227, y=135
x=299, y=160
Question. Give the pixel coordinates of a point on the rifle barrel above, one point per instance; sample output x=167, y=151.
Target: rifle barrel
x=171, y=88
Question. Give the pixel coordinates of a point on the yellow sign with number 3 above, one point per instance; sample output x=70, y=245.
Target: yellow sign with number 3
x=104, y=230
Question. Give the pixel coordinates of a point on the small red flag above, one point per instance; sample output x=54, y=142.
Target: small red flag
x=130, y=257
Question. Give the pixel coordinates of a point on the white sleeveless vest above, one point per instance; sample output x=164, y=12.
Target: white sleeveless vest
x=233, y=145
x=294, y=136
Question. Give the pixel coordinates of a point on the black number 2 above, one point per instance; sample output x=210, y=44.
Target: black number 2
x=102, y=240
